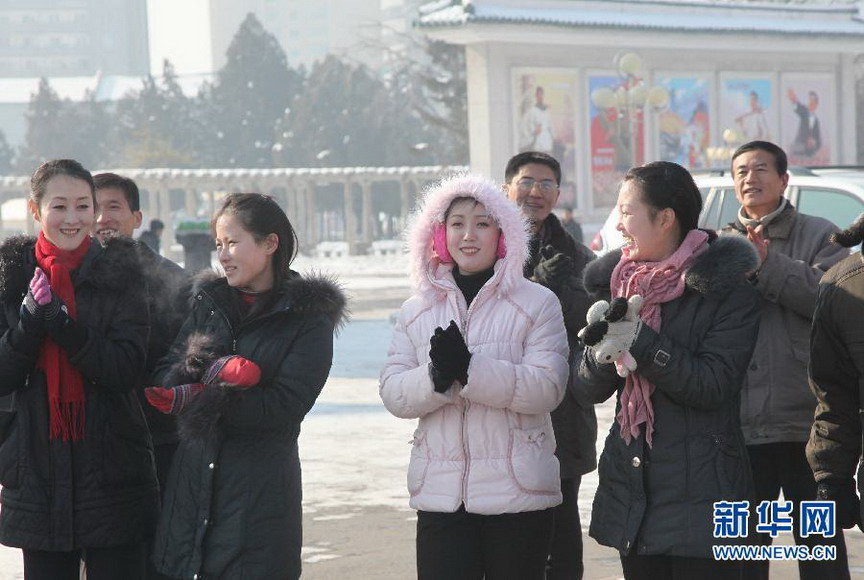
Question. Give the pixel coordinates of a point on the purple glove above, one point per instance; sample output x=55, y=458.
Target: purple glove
x=40, y=288
x=40, y=304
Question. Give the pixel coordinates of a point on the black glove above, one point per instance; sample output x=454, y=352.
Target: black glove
x=34, y=316
x=553, y=269
x=439, y=382
x=449, y=354
x=846, y=502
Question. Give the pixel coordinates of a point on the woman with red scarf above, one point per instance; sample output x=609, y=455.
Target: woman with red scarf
x=675, y=447
x=76, y=461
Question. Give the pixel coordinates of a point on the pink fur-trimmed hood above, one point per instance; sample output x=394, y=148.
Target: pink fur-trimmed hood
x=425, y=266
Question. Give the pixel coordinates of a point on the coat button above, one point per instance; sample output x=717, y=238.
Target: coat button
x=211, y=466
x=206, y=521
x=636, y=462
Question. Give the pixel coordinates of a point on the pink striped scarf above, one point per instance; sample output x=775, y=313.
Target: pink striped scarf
x=656, y=282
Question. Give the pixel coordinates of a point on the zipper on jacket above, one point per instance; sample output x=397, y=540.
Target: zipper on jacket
x=466, y=448
x=449, y=290
x=235, y=334
x=227, y=321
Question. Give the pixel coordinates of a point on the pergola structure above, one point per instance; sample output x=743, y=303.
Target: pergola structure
x=294, y=188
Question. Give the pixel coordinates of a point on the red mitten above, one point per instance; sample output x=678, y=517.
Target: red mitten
x=172, y=400
x=234, y=371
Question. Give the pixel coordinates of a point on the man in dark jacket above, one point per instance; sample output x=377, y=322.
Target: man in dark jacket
x=776, y=406
x=119, y=214
x=837, y=379
x=152, y=236
x=556, y=260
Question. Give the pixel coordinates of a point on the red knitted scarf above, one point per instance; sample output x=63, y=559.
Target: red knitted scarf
x=65, y=385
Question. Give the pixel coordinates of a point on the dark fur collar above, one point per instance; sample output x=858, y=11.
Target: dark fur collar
x=715, y=273
x=312, y=294
x=115, y=266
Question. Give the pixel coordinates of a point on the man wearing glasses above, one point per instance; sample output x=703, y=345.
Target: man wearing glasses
x=556, y=261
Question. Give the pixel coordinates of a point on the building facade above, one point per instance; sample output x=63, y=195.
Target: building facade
x=607, y=84
x=44, y=38
x=308, y=31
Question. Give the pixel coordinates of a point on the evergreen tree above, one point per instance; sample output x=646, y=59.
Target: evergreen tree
x=6, y=154
x=346, y=116
x=93, y=130
x=249, y=96
x=155, y=126
x=59, y=128
x=430, y=77
x=42, y=141
x=440, y=97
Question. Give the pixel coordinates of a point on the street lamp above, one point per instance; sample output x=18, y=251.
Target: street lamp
x=627, y=100
x=718, y=157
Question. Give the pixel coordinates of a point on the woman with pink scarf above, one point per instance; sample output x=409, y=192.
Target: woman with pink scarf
x=675, y=447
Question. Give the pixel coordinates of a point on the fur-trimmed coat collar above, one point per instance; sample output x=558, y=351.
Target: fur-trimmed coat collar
x=715, y=273
x=312, y=294
x=115, y=266
x=425, y=266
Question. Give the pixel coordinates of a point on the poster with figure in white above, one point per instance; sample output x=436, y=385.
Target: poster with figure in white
x=808, y=118
x=545, y=119
x=747, y=109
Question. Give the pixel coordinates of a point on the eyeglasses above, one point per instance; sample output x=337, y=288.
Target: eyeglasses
x=527, y=184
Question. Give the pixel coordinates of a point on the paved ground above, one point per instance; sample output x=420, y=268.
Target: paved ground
x=357, y=523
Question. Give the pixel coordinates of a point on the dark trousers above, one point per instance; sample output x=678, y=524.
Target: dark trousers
x=565, y=555
x=679, y=568
x=125, y=562
x=784, y=466
x=463, y=546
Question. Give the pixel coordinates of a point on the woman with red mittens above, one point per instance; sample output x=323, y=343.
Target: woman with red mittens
x=76, y=460
x=245, y=369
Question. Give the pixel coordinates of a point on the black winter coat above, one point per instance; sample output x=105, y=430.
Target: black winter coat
x=169, y=286
x=101, y=491
x=659, y=500
x=575, y=425
x=232, y=503
x=837, y=374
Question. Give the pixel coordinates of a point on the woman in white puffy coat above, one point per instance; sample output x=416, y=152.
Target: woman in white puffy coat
x=483, y=474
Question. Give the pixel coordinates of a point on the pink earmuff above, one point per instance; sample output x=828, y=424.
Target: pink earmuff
x=439, y=244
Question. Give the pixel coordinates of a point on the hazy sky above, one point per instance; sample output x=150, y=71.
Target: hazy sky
x=180, y=32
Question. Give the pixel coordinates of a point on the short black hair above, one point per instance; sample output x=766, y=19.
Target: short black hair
x=520, y=160
x=665, y=184
x=124, y=184
x=156, y=224
x=781, y=164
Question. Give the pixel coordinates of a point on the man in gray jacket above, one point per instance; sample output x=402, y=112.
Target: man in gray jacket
x=776, y=403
